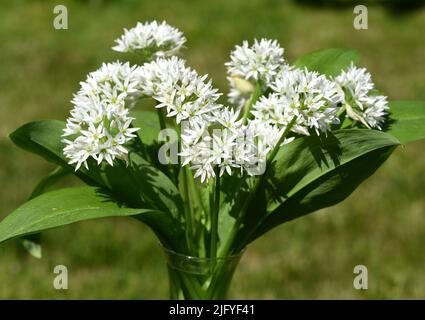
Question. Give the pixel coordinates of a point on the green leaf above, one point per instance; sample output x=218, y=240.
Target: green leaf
x=49, y=180
x=309, y=174
x=149, y=126
x=44, y=139
x=328, y=61
x=40, y=137
x=137, y=183
x=407, y=120
x=61, y=207
x=140, y=183
x=32, y=243
x=235, y=190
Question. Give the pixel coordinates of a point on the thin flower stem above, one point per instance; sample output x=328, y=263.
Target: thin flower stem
x=214, y=218
x=282, y=138
x=191, y=285
x=253, y=99
x=226, y=250
x=195, y=193
x=341, y=111
x=187, y=204
x=187, y=209
x=161, y=118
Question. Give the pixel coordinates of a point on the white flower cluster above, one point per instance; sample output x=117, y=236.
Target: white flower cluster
x=179, y=89
x=151, y=39
x=100, y=124
x=257, y=62
x=214, y=139
x=310, y=98
x=251, y=64
x=211, y=135
x=224, y=143
x=361, y=104
x=204, y=150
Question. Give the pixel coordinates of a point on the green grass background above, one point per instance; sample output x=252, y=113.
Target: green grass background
x=381, y=225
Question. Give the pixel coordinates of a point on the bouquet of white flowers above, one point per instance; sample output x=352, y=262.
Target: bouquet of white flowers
x=209, y=179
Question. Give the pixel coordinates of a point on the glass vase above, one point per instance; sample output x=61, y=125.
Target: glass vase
x=195, y=278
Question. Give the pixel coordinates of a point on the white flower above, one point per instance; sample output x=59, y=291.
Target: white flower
x=360, y=102
x=100, y=124
x=229, y=118
x=260, y=61
x=207, y=145
x=221, y=144
x=251, y=66
x=196, y=149
x=375, y=110
x=267, y=135
x=151, y=39
x=184, y=94
x=215, y=140
x=310, y=98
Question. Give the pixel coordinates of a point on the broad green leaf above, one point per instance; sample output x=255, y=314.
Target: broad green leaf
x=149, y=126
x=44, y=139
x=41, y=137
x=61, y=207
x=235, y=189
x=328, y=61
x=145, y=183
x=407, y=120
x=309, y=174
x=49, y=180
x=69, y=205
x=137, y=183
x=169, y=231
x=32, y=243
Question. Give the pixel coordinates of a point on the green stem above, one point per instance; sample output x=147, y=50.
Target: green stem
x=226, y=250
x=187, y=206
x=214, y=218
x=188, y=283
x=187, y=210
x=282, y=138
x=254, y=97
x=341, y=111
x=161, y=118
x=195, y=193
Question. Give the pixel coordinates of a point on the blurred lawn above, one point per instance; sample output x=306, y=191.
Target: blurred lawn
x=381, y=225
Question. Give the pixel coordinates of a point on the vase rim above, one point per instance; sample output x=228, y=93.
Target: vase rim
x=195, y=258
